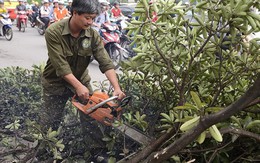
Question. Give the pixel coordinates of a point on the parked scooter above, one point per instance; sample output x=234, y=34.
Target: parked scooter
x=22, y=20
x=111, y=39
x=6, y=27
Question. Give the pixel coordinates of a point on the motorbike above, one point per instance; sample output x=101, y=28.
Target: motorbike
x=125, y=41
x=111, y=39
x=22, y=20
x=41, y=26
x=6, y=27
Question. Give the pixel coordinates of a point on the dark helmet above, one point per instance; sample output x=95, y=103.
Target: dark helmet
x=116, y=3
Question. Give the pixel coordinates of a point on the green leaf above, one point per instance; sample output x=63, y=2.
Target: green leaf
x=52, y=134
x=253, y=124
x=166, y=116
x=186, y=106
x=112, y=160
x=190, y=124
x=196, y=99
x=201, y=137
x=214, y=132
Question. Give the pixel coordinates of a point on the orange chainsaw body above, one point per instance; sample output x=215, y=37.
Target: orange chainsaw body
x=102, y=114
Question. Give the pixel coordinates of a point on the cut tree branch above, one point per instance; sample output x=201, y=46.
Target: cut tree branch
x=240, y=132
x=205, y=122
x=152, y=147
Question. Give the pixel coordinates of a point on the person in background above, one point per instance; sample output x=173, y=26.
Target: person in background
x=45, y=13
x=19, y=8
x=52, y=5
x=69, y=6
x=3, y=10
x=103, y=17
x=116, y=11
x=35, y=11
x=60, y=12
x=55, y=4
x=70, y=44
x=27, y=5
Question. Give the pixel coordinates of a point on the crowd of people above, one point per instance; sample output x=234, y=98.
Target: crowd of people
x=48, y=10
x=2, y=8
x=106, y=14
x=55, y=10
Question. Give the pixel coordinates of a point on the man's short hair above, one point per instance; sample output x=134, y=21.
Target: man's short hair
x=86, y=7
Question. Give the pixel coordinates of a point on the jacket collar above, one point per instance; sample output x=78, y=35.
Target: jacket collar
x=66, y=29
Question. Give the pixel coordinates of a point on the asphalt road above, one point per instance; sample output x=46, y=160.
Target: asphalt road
x=29, y=48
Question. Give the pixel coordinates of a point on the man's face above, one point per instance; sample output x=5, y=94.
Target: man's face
x=84, y=21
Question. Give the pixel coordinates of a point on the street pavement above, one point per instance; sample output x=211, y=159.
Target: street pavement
x=29, y=48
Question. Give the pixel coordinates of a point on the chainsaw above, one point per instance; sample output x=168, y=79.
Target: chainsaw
x=107, y=110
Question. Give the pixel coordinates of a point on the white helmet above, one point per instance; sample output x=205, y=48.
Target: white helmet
x=61, y=2
x=70, y=1
x=45, y=1
x=104, y=2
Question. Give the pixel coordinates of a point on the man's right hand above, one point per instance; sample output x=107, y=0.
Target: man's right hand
x=82, y=92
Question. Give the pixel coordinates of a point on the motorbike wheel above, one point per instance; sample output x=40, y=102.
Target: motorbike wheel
x=9, y=34
x=126, y=45
x=41, y=29
x=115, y=54
x=22, y=27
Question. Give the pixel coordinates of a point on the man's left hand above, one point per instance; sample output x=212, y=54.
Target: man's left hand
x=119, y=93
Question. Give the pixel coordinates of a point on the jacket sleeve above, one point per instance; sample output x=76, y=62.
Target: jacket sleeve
x=56, y=55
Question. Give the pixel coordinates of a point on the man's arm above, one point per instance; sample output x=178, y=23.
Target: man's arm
x=112, y=13
x=121, y=14
x=55, y=14
x=81, y=90
x=111, y=76
x=60, y=64
x=107, y=17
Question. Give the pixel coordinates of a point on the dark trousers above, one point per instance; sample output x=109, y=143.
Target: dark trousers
x=46, y=21
x=53, y=112
x=34, y=16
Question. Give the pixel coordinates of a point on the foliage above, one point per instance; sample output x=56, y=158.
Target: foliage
x=21, y=136
x=193, y=61
x=21, y=94
x=20, y=90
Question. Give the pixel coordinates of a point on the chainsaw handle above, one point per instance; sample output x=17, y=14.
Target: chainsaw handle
x=90, y=110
